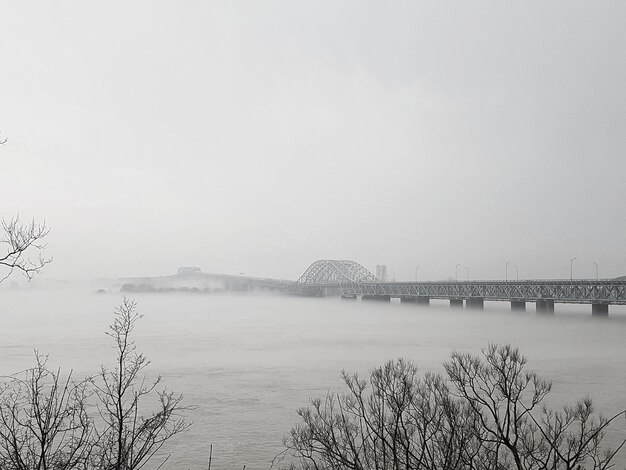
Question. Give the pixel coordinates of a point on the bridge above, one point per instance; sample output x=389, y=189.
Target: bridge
x=353, y=281
x=197, y=281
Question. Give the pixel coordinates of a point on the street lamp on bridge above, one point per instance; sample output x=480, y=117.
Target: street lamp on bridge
x=467, y=269
x=571, y=269
x=516, y=272
x=506, y=270
x=456, y=271
x=416, y=268
x=596, y=263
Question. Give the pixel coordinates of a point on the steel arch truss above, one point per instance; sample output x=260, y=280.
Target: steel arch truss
x=331, y=273
x=336, y=272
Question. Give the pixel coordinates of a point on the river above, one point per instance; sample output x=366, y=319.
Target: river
x=248, y=362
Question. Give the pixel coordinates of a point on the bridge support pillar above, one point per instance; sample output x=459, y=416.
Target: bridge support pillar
x=476, y=303
x=600, y=310
x=422, y=300
x=456, y=303
x=518, y=305
x=379, y=298
x=545, y=306
x=408, y=300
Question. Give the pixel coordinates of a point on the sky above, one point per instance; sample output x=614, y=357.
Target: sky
x=260, y=136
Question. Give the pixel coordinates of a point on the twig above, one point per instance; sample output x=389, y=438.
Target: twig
x=163, y=463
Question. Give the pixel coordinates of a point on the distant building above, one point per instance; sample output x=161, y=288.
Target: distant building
x=381, y=272
x=188, y=271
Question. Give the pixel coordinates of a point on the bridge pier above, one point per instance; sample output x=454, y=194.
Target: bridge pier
x=378, y=298
x=475, y=303
x=456, y=303
x=545, y=306
x=600, y=310
x=422, y=300
x=408, y=300
x=518, y=305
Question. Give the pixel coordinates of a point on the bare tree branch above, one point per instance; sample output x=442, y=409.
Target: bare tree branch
x=21, y=241
x=128, y=439
x=43, y=420
x=483, y=414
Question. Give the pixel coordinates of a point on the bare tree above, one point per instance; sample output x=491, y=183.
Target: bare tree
x=483, y=414
x=396, y=420
x=502, y=396
x=21, y=240
x=506, y=398
x=128, y=438
x=48, y=423
x=43, y=421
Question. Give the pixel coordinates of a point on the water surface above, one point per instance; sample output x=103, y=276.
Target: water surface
x=248, y=362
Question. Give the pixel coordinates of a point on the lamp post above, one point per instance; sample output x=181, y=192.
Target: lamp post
x=516, y=272
x=416, y=268
x=456, y=271
x=596, y=263
x=571, y=269
x=506, y=270
x=467, y=269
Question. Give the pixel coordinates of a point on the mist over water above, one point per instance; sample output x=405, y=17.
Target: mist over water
x=445, y=140
x=248, y=362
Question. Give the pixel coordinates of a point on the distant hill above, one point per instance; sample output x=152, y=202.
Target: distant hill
x=621, y=278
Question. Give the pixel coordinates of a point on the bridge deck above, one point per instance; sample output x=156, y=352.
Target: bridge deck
x=561, y=291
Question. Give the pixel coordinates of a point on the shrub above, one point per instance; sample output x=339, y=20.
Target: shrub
x=116, y=420
x=484, y=413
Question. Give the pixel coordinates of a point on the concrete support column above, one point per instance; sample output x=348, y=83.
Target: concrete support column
x=379, y=298
x=313, y=292
x=518, y=305
x=408, y=300
x=456, y=303
x=600, y=310
x=476, y=303
x=545, y=306
x=422, y=300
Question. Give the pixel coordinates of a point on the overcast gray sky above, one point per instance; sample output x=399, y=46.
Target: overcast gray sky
x=258, y=137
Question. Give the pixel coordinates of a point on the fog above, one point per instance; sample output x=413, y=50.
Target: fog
x=249, y=362
x=258, y=137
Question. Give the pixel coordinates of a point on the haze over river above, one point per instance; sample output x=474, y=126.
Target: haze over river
x=248, y=362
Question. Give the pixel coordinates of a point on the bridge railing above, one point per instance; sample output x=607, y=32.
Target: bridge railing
x=563, y=291
x=559, y=291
